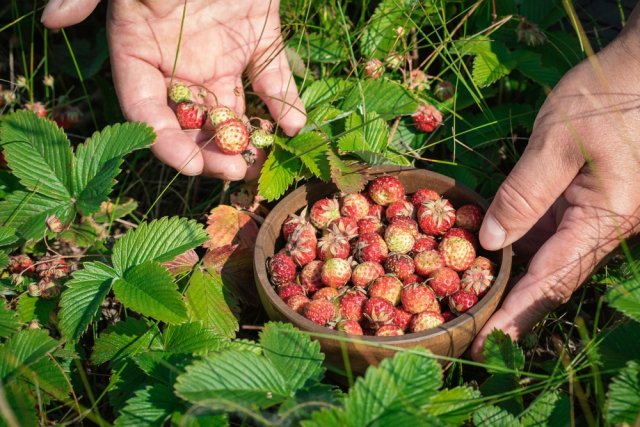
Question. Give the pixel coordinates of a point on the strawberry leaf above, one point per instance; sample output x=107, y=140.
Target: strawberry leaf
x=623, y=404
x=349, y=179
x=311, y=148
x=22, y=350
x=453, y=406
x=27, y=212
x=191, y=338
x=8, y=321
x=149, y=406
x=323, y=90
x=501, y=354
x=625, y=297
x=278, y=172
x=493, y=416
x=385, y=97
x=124, y=339
x=227, y=225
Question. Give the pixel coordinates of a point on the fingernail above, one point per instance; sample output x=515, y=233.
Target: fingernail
x=492, y=235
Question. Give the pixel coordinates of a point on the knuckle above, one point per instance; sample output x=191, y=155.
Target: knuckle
x=520, y=205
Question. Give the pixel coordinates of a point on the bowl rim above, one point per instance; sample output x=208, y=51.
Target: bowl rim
x=466, y=319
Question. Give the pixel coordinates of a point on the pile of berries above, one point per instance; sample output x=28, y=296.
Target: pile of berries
x=382, y=262
x=42, y=277
x=230, y=133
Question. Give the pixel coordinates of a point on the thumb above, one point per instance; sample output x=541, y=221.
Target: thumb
x=63, y=13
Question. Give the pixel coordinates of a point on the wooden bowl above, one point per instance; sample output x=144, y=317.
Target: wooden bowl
x=450, y=339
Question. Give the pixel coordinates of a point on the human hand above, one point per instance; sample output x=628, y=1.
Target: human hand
x=573, y=195
x=220, y=40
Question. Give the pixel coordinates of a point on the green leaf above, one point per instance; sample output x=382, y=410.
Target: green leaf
x=149, y=407
x=208, y=302
x=115, y=210
x=124, y=339
x=487, y=68
x=540, y=411
x=349, y=179
x=387, y=98
x=126, y=379
x=39, y=154
x=240, y=378
x=453, y=406
x=278, y=172
x=191, y=338
x=501, y=354
x=22, y=350
x=8, y=321
x=311, y=148
x=149, y=289
x=328, y=89
x=4, y=260
x=331, y=417
x=379, y=37
x=530, y=65
x=292, y=353
x=163, y=366
x=353, y=141
x=625, y=298
x=22, y=406
x=7, y=236
x=33, y=308
x=616, y=344
x=27, y=212
x=376, y=132
x=492, y=416
x=98, y=161
x=623, y=404
x=159, y=240
x=316, y=47
x=48, y=376
x=85, y=293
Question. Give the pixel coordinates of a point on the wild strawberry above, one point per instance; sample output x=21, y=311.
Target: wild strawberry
x=335, y=273
x=444, y=90
x=352, y=303
x=427, y=262
x=435, y=217
x=458, y=253
x=326, y=293
x=426, y=320
x=297, y=303
x=231, y=137
x=423, y=195
x=399, y=208
x=323, y=212
x=33, y=289
x=462, y=301
x=366, y=272
x=371, y=247
x=49, y=289
x=469, y=217
x=413, y=278
x=52, y=268
x=261, y=138
x=281, y=268
x=21, y=264
x=310, y=276
x=220, y=114
x=427, y=118
x=398, y=239
x=389, y=331
x=374, y=68
x=477, y=280
x=407, y=223
x=320, y=311
x=529, y=33
x=419, y=81
x=399, y=264
x=350, y=327
x=370, y=224
x=302, y=245
x=484, y=263
x=394, y=60
x=402, y=318
x=179, y=92
x=378, y=312
x=417, y=298
x=444, y=282
x=333, y=245
x=424, y=243
x=464, y=234
x=354, y=205
x=292, y=222
x=344, y=226
x=67, y=117
x=190, y=115
x=375, y=210
x=288, y=290
x=386, y=189
x=448, y=316
x=386, y=287
x=37, y=107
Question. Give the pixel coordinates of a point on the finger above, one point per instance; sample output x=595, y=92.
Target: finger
x=228, y=91
x=584, y=237
x=63, y=13
x=259, y=156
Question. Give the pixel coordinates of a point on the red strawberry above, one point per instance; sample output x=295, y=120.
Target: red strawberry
x=399, y=264
x=427, y=262
x=320, y=311
x=484, y=263
x=447, y=315
x=436, y=216
x=398, y=239
x=462, y=301
x=399, y=208
x=37, y=107
x=370, y=224
x=378, y=312
x=232, y=137
x=297, y=303
x=371, y=247
x=423, y=195
x=426, y=320
x=407, y=223
x=469, y=217
x=424, y=243
x=389, y=331
x=292, y=222
x=220, y=114
x=350, y=327
x=302, y=245
x=376, y=210
x=326, y=293
x=281, y=268
x=310, y=276
x=417, y=298
x=354, y=206
x=336, y=272
x=288, y=290
x=477, y=280
x=345, y=226
x=458, y=253
x=462, y=233
x=22, y=264
x=444, y=282
x=366, y=272
x=386, y=287
x=323, y=212
x=374, y=68
x=67, y=117
x=333, y=245
x=402, y=318
x=385, y=190
x=427, y=118
x=352, y=303
x=190, y=115
x=413, y=278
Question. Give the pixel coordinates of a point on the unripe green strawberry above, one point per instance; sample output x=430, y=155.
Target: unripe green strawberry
x=261, y=138
x=398, y=239
x=220, y=114
x=179, y=92
x=232, y=137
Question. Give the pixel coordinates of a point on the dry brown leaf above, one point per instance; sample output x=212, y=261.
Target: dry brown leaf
x=227, y=225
